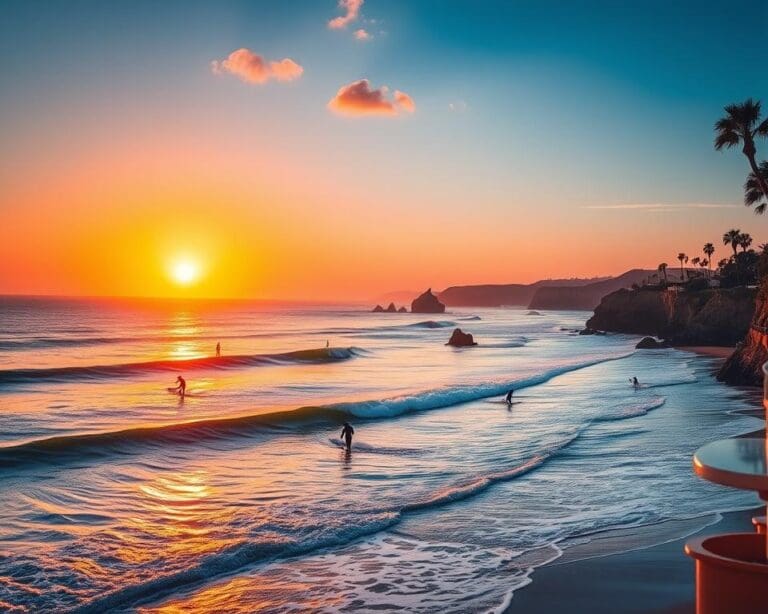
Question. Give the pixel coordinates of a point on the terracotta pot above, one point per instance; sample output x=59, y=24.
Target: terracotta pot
x=731, y=573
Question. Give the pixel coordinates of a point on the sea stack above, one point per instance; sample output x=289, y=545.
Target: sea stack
x=378, y=309
x=427, y=303
x=461, y=339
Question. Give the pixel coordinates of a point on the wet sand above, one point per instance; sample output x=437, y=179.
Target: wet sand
x=655, y=580
x=708, y=350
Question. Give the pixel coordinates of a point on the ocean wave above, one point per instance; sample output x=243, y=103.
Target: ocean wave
x=95, y=372
x=632, y=410
x=246, y=553
x=81, y=446
x=449, y=396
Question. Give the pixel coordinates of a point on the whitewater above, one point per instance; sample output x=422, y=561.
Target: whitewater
x=116, y=495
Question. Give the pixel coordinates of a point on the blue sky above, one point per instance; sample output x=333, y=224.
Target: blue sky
x=529, y=115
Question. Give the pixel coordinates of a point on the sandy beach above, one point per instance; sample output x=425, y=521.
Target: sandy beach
x=658, y=580
x=708, y=350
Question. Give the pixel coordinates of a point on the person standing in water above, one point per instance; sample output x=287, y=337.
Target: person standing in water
x=218, y=349
x=182, y=386
x=346, y=435
x=508, y=398
x=635, y=383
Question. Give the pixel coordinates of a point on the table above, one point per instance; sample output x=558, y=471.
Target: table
x=741, y=462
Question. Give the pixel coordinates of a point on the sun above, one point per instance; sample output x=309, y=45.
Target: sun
x=185, y=272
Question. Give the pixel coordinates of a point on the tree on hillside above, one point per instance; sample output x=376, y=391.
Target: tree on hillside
x=695, y=261
x=663, y=271
x=682, y=258
x=745, y=240
x=740, y=126
x=753, y=195
x=732, y=238
x=708, y=250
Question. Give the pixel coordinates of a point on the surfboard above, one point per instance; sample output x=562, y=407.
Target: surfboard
x=497, y=402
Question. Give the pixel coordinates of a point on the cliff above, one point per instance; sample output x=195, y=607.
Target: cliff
x=496, y=295
x=705, y=317
x=744, y=367
x=585, y=297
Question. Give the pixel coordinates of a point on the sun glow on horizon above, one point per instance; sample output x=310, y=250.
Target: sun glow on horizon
x=185, y=272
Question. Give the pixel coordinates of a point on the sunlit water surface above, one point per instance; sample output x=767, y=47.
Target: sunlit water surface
x=116, y=494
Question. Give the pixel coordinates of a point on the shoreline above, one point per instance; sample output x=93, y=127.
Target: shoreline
x=654, y=579
x=712, y=351
x=658, y=579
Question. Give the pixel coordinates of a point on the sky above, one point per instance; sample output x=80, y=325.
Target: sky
x=340, y=150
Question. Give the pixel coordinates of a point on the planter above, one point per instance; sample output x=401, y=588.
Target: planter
x=731, y=573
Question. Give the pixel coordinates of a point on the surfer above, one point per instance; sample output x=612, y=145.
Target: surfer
x=218, y=349
x=182, y=386
x=635, y=383
x=508, y=398
x=346, y=434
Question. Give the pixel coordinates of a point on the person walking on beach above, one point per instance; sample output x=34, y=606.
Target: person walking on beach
x=508, y=398
x=182, y=386
x=218, y=349
x=346, y=435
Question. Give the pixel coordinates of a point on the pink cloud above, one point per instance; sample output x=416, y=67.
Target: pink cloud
x=253, y=68
x=351, y=10
x=362, y=35
x=358, y=98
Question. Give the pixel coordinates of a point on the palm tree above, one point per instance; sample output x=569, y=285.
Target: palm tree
x=741, y=125
x=732, y=238
x=663, y=270
x=745, y=240
x=695, y=261
x=708, y=250
x=752, y=192
x=682, y=257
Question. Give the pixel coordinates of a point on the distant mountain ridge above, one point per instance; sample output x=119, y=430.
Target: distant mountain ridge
x=497, y=295
x=587, y=296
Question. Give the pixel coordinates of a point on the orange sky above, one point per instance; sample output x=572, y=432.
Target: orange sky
x=295, y=159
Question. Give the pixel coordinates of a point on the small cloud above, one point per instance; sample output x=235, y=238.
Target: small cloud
x=362, y=35
x=351, y=10
x=253, y=68
x=459, y=106
x=661, y=207
x=359, y=99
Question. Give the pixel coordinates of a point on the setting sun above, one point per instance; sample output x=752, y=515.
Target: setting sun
x=185, y=272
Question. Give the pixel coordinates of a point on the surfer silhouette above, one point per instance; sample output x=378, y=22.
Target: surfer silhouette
x=182, y=386
x=635, y=383
x=218, y=349
x=508, y=398
x=346, y=434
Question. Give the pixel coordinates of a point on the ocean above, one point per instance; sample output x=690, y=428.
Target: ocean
x=118, y=495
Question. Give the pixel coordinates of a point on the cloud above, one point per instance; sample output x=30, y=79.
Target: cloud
x=253, y=68
x=661, y=207
x=358, y=98
x=362, y=35
x=351, y=10
x=459, y=106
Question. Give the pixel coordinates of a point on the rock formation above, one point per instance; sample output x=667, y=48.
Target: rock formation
x=706, y=317
x=649, y=343
x=391, y=308
x=461, y=339
x=402, y=310
x=745, y=366
x=427, y=303
x=378, y=309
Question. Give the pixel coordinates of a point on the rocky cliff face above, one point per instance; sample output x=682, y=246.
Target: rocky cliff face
x=744, y=367
x=706, y=317
x=586, y=296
